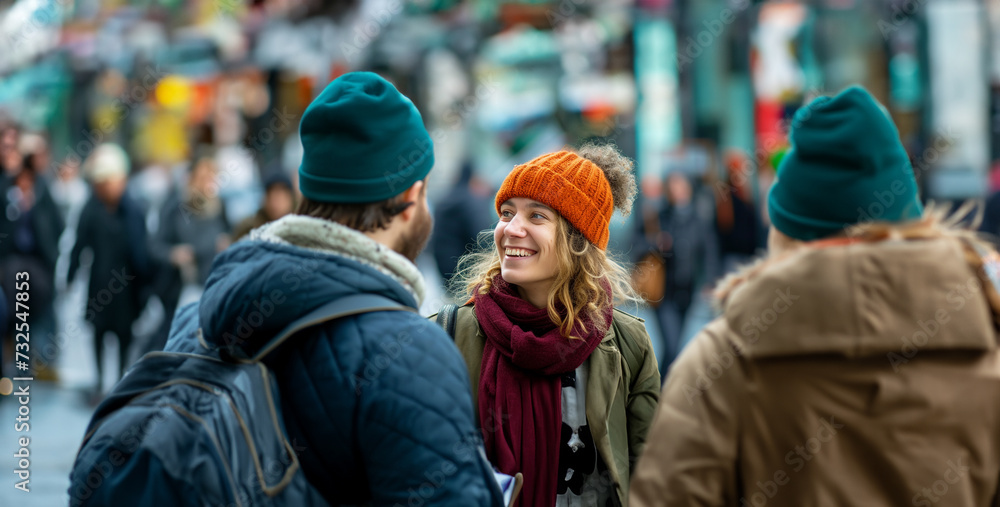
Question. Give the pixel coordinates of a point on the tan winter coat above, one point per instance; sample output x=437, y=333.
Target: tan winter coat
x=854, y=374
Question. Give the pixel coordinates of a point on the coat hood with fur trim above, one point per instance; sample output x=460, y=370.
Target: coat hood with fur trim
x=862, y=298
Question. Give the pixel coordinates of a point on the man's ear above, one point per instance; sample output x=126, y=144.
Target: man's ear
x=412, y=194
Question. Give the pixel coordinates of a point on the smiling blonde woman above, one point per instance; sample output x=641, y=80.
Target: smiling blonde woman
x=565, y=385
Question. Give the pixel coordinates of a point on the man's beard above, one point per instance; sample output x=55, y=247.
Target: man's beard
x=413, y=241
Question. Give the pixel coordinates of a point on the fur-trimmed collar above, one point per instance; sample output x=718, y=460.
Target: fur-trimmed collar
x=868, y=293
x=928, y=229
x=335, y=239
x=858, y=298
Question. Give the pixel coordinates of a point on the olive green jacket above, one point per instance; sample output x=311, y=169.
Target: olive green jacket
x=623, y=389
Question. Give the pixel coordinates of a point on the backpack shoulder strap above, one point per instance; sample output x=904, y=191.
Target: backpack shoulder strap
x=447, y=317
x=336, y=309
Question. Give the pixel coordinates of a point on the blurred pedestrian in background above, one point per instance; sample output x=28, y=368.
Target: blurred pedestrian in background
x=10, y=157
x=465, y=210
x=113, y=228
x=565, y=385
x=685, y=239
x=193, y=229
x=70, y=192
x=34, y=149
x=737, y=219
x=863, y=346
x=29, y=242
x=279, y=200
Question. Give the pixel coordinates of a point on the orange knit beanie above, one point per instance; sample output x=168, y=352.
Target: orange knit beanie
x=569, y=184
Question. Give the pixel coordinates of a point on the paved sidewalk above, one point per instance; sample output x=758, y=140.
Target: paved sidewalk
x=59, y=414
x=58, y=419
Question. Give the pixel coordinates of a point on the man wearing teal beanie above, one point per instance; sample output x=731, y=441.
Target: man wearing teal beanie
x=362, y=141
x=380, y=400
x=850, y=366
x=375, y=402
x=846, y=166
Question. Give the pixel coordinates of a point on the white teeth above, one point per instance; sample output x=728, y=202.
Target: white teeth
x=518, y=252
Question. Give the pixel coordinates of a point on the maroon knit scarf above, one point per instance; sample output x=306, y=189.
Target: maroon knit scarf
x=520, y=390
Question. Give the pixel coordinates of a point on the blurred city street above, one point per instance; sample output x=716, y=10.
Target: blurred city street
x=140, y=141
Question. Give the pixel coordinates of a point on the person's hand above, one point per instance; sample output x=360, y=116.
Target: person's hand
x=182, y=255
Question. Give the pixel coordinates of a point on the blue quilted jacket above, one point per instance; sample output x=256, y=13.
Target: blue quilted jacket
x=377, y=405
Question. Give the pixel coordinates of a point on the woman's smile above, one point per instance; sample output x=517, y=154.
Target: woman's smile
x=518, y=253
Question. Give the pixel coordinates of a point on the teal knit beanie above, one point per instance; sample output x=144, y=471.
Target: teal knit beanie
x=846, y=166
x=362, y=141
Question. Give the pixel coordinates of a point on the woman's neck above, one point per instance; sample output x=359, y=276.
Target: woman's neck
x=537, y=296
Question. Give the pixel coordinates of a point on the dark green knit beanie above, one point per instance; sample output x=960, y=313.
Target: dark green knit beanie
x=846, y=166
x=362, y=141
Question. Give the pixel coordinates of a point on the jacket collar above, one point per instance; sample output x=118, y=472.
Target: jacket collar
x=336, y=239
x=862, y=298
